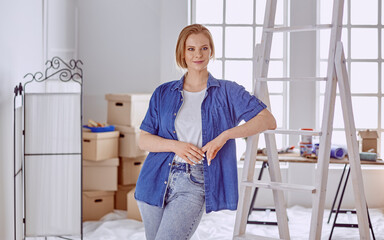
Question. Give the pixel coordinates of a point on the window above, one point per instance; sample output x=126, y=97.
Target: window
x=363, y=46
x=236, y=27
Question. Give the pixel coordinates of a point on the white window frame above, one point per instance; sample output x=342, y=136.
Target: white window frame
x=284, y=60
x=379, y=95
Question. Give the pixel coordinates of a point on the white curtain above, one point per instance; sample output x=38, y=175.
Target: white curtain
x=52, y=164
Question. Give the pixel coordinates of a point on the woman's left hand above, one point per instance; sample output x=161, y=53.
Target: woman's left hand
x=213, y=147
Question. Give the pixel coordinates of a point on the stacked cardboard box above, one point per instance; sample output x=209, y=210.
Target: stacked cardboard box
x=126, y=112
x=100, y=167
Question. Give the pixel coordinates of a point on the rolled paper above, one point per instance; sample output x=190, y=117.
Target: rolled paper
x=336, y=151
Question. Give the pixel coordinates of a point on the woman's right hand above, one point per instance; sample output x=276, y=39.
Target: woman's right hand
x=189, y=152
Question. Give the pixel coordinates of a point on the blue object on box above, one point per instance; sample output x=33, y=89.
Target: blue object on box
x=109, y=128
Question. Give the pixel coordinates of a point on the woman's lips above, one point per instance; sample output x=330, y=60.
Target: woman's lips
x=198, y=62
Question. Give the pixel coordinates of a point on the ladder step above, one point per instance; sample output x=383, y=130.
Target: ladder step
x=298, y=28
x=248, y=236
x=279, y=186
x=293, y=79
x=294, y=132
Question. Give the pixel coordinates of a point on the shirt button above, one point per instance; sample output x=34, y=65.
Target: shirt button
x=165, y=182
x=174, y=114
x=169, y=164
x=181, y=99
x=174, y=131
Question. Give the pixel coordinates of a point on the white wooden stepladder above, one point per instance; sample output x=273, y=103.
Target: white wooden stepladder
x=336, y=75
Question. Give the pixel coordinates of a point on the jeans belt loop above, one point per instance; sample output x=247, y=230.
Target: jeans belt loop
x=187, y=168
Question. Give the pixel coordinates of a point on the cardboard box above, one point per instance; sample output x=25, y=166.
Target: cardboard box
x=127, y=109
x=96, y=204
x=129, y=169
x=100, y=175
x=121, y=196
x=100, y=146
x=368, y=140
x=133, y=211
x=129, y=142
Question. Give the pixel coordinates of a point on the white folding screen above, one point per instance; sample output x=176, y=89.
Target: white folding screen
x=52, y=160
x=18, y=177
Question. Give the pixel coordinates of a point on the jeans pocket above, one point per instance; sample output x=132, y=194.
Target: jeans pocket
x=196, y=178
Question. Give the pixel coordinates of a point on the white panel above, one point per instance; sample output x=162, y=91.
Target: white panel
x=52, y=123
x=53, y=195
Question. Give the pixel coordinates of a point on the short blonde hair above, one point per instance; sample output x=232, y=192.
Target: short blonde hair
x=184, y=34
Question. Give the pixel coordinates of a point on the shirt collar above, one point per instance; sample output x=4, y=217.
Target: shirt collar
x=212, y=82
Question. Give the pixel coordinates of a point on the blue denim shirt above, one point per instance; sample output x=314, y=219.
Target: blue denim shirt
x=225, y=104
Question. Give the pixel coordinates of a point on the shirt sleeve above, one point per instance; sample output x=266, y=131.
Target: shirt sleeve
x=151, y=120
x=244, y=105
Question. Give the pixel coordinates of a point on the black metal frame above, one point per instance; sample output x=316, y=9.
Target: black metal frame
x=65, y=71
x=345, y=225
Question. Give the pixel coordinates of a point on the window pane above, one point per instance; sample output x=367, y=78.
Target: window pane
x=259, y=31
x=238, y=42
x=322, y=73
x=215, y=67
x=240, y=72
x=260, y=10
x=217, y=35
x=364, y=77
x=277, y=48
x=382, y=79
x=338, y=138
x=364, y=12
x=209, y=11
x=275, y=69
x=338, y=121
x=364, y=43
x=324, y=43
x=382, y=41
x=279, y=17
x=239, y=11
x=326, y=7
x=365, y=112
x=326, y=11
x=277, y=107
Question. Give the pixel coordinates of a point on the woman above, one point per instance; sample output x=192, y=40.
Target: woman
x=190, y=130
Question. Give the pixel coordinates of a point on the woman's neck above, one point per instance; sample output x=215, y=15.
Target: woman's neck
x=195, y=81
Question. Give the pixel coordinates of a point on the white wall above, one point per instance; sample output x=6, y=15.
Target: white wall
x=123, y=45
x=127, y=47
x=21, y=52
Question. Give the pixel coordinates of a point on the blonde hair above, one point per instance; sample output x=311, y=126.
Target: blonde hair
x=184, y=34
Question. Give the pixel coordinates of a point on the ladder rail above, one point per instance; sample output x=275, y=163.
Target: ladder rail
x=353, y=147
x=327, y=124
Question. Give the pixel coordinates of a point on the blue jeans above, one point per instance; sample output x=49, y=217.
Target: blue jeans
x=183, y=208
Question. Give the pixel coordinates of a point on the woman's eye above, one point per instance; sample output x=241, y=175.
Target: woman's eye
x=190, y=49
x=205, y=48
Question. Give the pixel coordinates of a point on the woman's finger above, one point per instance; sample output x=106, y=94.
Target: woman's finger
x=193, y=158
x=198, y=151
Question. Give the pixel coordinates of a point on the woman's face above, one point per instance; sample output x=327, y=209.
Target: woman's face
x=197, y=52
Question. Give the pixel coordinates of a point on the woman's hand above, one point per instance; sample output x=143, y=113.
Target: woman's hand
x=189, y=152
x=213, y=147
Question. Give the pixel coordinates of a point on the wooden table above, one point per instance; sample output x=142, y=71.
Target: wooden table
x=296, y=158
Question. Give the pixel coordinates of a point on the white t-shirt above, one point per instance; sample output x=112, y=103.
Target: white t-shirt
x=188, y=122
